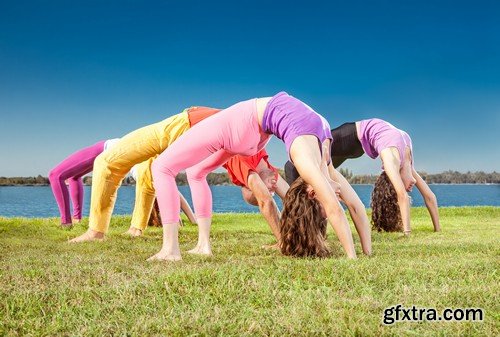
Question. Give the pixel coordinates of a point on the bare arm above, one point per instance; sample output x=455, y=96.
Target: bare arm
x=266, y=203
x=356, y=209
x=391, y=167
x=187, y=209
x=429, y=199
x=282, y=187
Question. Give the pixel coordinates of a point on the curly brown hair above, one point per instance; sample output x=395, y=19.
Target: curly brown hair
x=155, y=218
x=385, y=209
x=302, y=226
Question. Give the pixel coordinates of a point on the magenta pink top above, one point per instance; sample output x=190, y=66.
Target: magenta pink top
x=376, y=134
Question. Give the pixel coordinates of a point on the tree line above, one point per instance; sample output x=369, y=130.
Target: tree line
x=447, y=177
x=213, y=179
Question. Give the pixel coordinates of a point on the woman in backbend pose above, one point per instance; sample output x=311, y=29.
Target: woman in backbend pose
x=259, y=181
x=390, y=202
x=80, y=163
x=112, y=166
x=71, y=170
x=245, y=128
x=300, y=208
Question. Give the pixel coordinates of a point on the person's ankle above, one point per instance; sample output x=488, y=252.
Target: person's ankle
x=95, y=234
x=133, y=231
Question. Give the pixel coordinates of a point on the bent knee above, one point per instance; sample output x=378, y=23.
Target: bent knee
x=101, y=165
x=158, y=171
x=194, y=174
x=54, y=175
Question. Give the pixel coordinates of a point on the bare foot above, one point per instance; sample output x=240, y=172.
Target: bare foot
x=89, y=235
x=75, y=220
x=66, y=225
x=163, y=256
x=273, y=246
x=134, y=232
x=201, y=250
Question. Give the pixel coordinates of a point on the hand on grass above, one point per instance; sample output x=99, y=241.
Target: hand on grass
x=273, y=246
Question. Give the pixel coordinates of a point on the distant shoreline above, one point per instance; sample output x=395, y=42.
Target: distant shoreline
x=354, y=184
x=221, y=179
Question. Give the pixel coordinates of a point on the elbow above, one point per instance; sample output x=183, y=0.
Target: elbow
x=403, y=198
x=268, y=207
x=356, y=208
x=266, y=203
x=334, y=209
x=431, y=199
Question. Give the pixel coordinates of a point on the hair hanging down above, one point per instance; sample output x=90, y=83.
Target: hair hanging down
x=385, y=209
x=154, y=218
x=302, y=226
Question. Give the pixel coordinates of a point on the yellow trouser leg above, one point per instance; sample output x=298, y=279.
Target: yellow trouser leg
x=144, y=195
x=111, y=166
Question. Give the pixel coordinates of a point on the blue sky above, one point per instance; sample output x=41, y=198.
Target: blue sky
x=75, y=72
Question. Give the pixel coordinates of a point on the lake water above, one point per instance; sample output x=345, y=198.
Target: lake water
x=38, y=201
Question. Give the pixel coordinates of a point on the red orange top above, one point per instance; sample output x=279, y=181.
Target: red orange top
x=239, y=167
x=198, y=113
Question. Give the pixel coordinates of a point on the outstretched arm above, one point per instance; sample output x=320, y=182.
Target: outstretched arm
x=187, y=209
x=266, y=203
x=429, y=199
x=281, y=187
x=391, y=167
x=356, y=209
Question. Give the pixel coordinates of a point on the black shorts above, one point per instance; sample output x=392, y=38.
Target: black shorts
x=345, y=145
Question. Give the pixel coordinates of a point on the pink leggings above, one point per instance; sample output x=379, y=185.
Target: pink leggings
x=202, y=149
x=73, y=168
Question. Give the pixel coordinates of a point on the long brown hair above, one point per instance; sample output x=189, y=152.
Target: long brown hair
x=385, y=209
x=155, y=218
x=302, y=226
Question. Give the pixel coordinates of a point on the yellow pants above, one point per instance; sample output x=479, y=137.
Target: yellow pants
x=144, y=195
x=111, y=166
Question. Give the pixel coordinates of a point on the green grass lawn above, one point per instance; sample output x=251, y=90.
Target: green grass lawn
x=49, y=287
